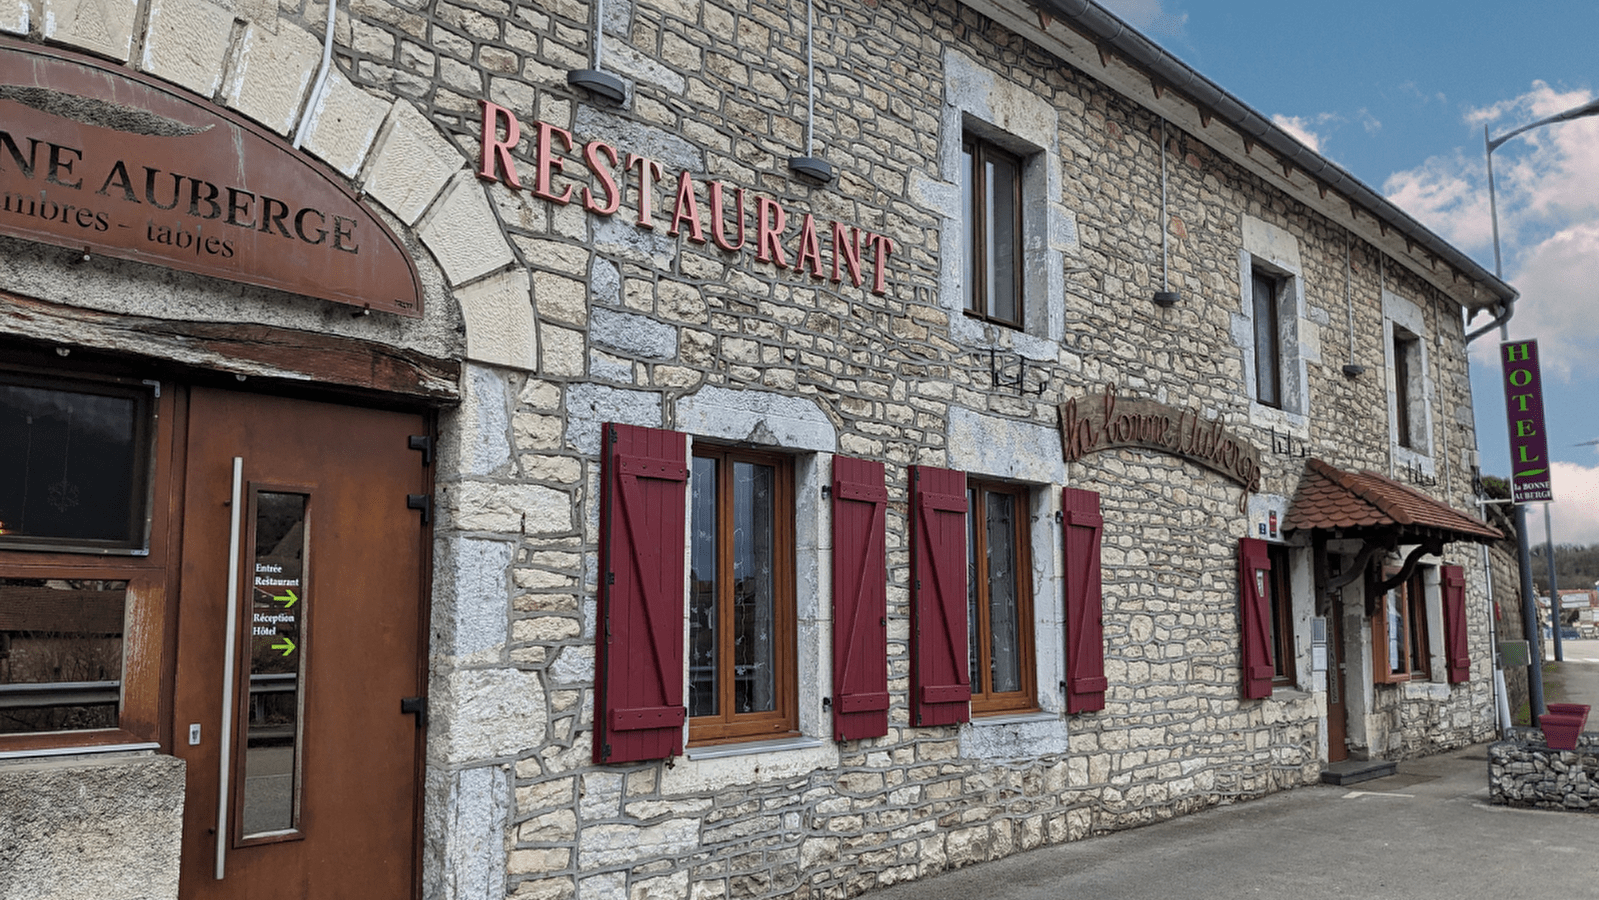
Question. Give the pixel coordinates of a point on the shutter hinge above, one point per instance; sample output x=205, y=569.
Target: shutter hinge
x=423, y=443
x=614, y=438
x=918, y=584
x=424, y=502
x=610, y=577
x=827, y=490
x=605, y=751
x=827, y=703
x=1060, y=516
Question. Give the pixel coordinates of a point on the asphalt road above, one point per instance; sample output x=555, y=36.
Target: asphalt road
x=1576, y=680
x=1424, y=833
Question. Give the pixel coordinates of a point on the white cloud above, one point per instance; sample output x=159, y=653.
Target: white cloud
x=1575, y=512
x=1148, y=16
x=1299, y=127
x=1548, y=220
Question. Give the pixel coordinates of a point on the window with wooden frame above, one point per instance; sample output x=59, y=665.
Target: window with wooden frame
x=1400, y=647
x=741, y=596
x=999, y=595
x=1282, y=617
x=83, y=579
x=991, y=197
x=1265, y=292
x=1407, y=366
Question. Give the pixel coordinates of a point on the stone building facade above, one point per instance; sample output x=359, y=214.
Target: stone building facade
x=590, y=270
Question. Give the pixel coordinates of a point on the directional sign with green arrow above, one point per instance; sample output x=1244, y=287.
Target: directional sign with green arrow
x=287, y=598
x=286, y=645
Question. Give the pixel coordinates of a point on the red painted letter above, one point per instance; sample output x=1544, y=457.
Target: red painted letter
x=809, y=248
x=649, y=172
x=768, y=230
x=881, y=248
x=716, y=218
x=850, y=252
x=548, y=162
x=496, y=154
x=687, y=209
x=613, y=196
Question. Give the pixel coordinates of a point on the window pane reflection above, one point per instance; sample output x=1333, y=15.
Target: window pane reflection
x=278, y=610
x=60, y=654
x=1005, y=664
x=702, y=634
x=754, y=684
x=76, y=463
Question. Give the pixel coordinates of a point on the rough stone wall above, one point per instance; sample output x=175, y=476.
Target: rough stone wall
x=91, y=827
x=573, y=319
x=1524, y=771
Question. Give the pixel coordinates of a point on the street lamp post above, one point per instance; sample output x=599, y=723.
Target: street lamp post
x=1529, y=610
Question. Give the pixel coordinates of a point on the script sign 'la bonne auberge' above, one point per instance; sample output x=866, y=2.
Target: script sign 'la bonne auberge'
x=1128, y=422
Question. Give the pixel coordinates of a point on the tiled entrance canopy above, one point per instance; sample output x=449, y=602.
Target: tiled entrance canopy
x=1330, y=499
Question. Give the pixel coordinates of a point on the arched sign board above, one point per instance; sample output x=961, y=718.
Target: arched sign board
x=1109, y=421
x=97, y=158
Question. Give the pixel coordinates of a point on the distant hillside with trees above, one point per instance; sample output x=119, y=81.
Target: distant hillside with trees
x=1576, y=565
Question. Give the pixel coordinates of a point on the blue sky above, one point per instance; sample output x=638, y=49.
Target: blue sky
x=1398, y=92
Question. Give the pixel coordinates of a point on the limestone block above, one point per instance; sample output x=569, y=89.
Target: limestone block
x=472, y=573
x=609, y=845
x=590, y=405
x=186, y=43
x=14, y=16
x=344, y=122
x=464, y=833
x=483, y=714
x=463, y=233
x=498, y=312
x=991, y=445
x=758, y=417
x=483, y=424
x=411, y=164
x=271, y=74
x=99, y=26
x=631, y=334
x=98, y=827
x=485, y=506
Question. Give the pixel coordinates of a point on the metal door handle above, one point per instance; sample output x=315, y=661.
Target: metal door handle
x=229, y=653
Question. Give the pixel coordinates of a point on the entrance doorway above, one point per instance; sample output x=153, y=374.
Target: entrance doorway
x=300, y=638
x=1337, y=712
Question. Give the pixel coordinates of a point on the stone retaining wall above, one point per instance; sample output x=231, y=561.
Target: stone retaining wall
x=1523, y=771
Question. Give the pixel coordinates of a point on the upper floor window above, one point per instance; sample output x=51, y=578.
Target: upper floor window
x=991, y=197
x=1407, y=369
x=999, y=598
x=1265, y=293
x=741, y=596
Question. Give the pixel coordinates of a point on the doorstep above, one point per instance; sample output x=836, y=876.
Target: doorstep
x=1354, y=771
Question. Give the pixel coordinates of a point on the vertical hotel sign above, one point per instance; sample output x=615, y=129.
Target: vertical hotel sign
x=1529, y=442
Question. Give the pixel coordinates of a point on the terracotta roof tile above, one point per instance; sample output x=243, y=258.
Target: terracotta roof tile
x=1330, y=498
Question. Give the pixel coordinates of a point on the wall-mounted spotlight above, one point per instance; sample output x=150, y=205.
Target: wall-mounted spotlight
x=812, y=168
x=1354, y=371
x=1167, y=299
x=598, y=83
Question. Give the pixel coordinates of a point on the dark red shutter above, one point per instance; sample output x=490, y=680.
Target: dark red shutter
x=1254, y=590
x=941, y=684
x=1455, y=646
x=860, y=600
x=638, y=685
x=1085, y=605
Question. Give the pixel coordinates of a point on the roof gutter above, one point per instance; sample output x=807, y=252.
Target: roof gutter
x=1101, y=26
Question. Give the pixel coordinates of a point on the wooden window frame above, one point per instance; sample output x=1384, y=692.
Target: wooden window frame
x=1407, y=351
x=1282, y=615
x=974, y=153
x=1415, y=647
x=143, y=711
x=728, y=726
x=1270, y=330
x=984, y=700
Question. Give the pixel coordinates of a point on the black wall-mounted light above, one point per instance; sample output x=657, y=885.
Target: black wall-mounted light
x=811, y=167
x=1354, y=371
x=598, y=83
x=1167, y=299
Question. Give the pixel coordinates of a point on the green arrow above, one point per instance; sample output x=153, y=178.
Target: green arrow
x=286, y=645
x=1530, y=472
x=287, y=599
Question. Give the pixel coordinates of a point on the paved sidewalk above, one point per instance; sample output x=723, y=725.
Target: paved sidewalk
x=1426, y=832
